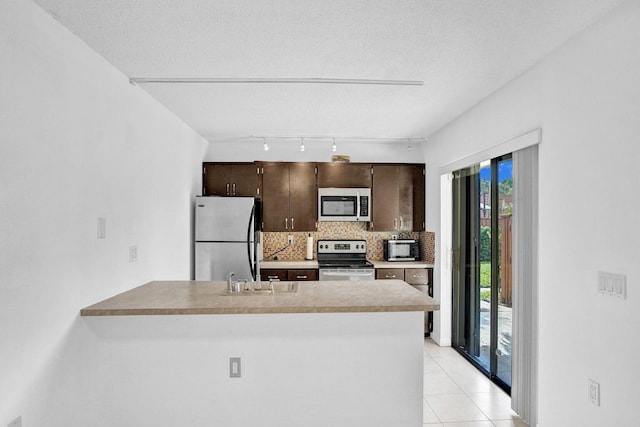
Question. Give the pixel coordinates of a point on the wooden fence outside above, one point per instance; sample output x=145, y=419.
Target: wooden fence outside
x=506, y=245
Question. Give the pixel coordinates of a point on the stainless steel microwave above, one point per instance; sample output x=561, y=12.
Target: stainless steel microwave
x=344, y=204
x=401, y=250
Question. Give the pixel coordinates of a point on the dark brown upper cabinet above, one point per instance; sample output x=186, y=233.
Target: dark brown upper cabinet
x=230, y=179
x=398, y=198
x=344, y=175
x=419, y=189
x=289, y=196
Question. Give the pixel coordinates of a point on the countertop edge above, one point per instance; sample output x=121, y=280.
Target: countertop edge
x=88, y=312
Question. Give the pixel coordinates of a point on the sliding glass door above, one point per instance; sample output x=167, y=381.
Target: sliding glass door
x=482, y=212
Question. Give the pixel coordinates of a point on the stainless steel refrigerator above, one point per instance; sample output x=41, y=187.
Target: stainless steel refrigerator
x=227, y=237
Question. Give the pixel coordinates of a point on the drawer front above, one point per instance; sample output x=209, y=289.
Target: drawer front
x=390, y=273
x=302, y=275
x=273, y=274
x=416, y=276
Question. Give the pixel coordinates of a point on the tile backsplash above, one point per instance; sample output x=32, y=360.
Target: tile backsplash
x=273, y=243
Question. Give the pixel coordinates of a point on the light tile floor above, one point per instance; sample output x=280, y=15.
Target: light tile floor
x=456, y=394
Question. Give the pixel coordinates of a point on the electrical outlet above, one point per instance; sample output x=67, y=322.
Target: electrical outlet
x=290, y=239
x=235, y=368
x=15, y=423
x=133, y=253
x=594, y=392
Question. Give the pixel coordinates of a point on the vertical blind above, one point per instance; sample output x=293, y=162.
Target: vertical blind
x=524, y=397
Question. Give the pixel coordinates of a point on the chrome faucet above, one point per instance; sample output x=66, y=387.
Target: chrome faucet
x=229, y=280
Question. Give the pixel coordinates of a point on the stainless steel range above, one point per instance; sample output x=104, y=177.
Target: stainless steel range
x=344, y=260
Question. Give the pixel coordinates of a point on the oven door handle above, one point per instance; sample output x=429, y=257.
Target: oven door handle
x=358, y=206
x=345, y=273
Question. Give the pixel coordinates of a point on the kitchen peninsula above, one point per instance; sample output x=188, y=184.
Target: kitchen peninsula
x=332, y=353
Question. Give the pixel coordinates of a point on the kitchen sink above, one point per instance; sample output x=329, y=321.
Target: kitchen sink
x=268, y=288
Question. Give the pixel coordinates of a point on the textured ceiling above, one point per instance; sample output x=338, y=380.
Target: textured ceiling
x=463, y=50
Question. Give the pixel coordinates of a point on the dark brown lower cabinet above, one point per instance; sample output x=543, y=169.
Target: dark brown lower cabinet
x=283, y=274
x=273, y=274
x=419, y=278
x=390, y=273
x=302, y=275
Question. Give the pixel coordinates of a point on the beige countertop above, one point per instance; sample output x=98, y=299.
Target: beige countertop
x=303, y=264
x=191, y=297
x=290, y=264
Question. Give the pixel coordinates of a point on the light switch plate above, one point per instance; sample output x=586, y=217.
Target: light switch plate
x=594, y=392
x=620, y=286
x=133, y=253
x=102, y=228
x=612, y=284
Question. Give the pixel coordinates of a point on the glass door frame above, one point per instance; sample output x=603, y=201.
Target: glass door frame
x=466, y=268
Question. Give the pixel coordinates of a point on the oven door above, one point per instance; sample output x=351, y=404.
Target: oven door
x=348, y=274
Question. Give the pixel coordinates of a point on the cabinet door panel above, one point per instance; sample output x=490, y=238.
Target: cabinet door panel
x=405, y=197
x=275, y=197
x=229, y=179
x=244, y=180
x=385, y=198
x=418, y=198
x=345, y=175
x=416, y=276
x=303, y=202
x=302, y=275
x=216, y=179
x=390, y=273
x=272, y=274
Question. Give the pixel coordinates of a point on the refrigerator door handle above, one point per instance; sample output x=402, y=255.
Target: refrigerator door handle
x=251, y=267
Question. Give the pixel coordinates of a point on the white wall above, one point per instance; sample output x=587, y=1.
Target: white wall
x=77, y=142
x=586, y=98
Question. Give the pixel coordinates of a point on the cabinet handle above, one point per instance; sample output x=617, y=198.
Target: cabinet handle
x=286, y=223
x=395, y=223
x=292, y=227
x=401, y=225
x=233, y=192
x=272, y=277
x=391, y=276
x=227, y=188
x=301, y=277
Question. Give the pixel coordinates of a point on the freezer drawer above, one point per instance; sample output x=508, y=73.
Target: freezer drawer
x=214, y=261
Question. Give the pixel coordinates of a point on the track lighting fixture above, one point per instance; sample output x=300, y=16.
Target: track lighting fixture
x=334, y=145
